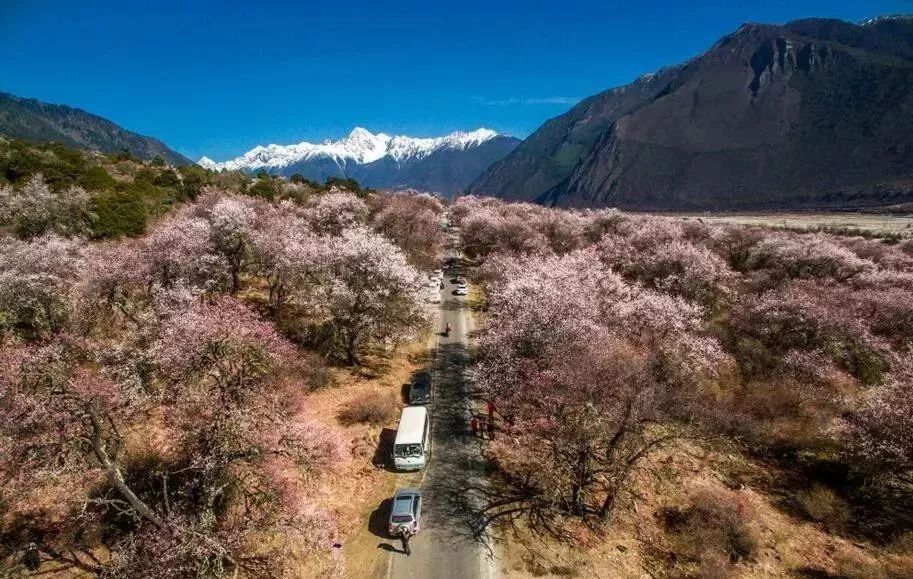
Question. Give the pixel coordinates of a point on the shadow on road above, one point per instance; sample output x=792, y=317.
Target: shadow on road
x=384, y=450
x=404, y=392
x=454, y=485
x=377, y=524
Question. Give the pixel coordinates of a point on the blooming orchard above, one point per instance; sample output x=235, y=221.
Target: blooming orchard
x=608, y=335
x=143, y=394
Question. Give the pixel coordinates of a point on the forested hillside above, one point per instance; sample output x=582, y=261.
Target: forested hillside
x=155, y=384
x=38, y=122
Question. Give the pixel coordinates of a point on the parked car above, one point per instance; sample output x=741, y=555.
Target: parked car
x=420, y=389
x=406, y=511
x=462, y=289
x=435, y=297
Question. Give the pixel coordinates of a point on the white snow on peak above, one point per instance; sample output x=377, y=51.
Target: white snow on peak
x=361, y=146
x=887, y=17
x=207, y=163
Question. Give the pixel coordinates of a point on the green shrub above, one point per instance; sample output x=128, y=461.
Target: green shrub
x=193, y=179
x=347, y=184
x=263, y=187
x=167, y=178
x=300, y=179
x=97, y=179
x=145, y=174
x=118, y=213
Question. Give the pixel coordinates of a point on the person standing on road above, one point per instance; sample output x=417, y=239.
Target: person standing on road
x=404, y=536
x=474, y=425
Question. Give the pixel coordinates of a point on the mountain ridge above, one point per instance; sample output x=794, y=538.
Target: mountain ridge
x=808, y=114
x=381, y=160
x=37, y=121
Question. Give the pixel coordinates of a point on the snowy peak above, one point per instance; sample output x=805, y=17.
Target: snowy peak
x=405, y=148
x=886, y=18
x=361, y=147
x=207, y=163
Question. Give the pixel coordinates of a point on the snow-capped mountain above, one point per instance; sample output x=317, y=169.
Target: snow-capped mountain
x=444, y=164
x=361, y=146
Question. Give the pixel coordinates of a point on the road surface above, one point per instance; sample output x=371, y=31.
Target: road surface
x=446, y=547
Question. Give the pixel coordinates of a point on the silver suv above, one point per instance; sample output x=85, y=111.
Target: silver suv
x=405, y=511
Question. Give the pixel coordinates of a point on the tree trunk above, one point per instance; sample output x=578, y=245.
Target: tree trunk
x=578, y=486
x=351, y=348
x=115, y=476
x=608, y=505
x=234, y=280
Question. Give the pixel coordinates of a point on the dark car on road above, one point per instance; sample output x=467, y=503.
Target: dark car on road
x=420, y=389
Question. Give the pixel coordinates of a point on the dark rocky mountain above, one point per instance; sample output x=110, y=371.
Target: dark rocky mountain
x=812, y=114
x=36, y=121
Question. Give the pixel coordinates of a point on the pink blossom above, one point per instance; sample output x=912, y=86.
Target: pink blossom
x=880, y=431
x=335, y=211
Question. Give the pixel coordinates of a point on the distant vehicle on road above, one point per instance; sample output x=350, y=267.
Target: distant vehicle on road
x=462, y=289
x=413, y=439
x=406, y=512
x=420, y=389
x=435, y=297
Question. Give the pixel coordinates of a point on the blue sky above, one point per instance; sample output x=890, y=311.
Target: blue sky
x=218, y=78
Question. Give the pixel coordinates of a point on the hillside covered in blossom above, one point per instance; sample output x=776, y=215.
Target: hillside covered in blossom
x=154, y=415
x=738, y=399
x=192, y=365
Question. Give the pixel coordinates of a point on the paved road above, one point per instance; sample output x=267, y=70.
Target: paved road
x=446, y=547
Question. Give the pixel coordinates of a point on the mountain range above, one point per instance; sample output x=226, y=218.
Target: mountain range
x=36, y=121
x=812, y=114
x=816, y=113
x=443, y=164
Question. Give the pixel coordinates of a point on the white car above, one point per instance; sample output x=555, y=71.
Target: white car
x=435, y=297
x=462, y=289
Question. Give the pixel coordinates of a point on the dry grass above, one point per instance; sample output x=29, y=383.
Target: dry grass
x=355, y=489
x=711, y=531
x=824, y=506
x=641, y=543
x=373, y=408
x=859, y=222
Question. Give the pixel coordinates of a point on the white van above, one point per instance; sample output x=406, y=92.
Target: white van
x=413, y=439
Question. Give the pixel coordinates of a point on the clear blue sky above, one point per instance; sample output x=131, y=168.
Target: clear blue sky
x=218, y=78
